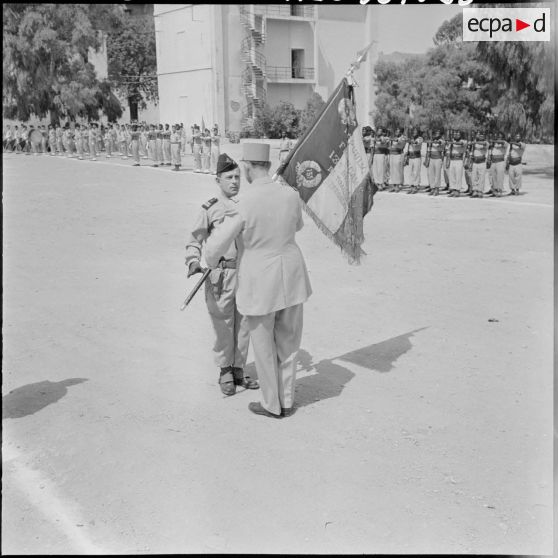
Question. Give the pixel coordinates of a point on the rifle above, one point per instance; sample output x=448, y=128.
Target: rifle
x=196, y=288
x=428, y=149
x=448, y=155
x=372, y=149
x=468, y=157
x=406, y=155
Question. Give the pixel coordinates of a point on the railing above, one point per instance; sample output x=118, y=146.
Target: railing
x=274, y=73
x=253, y=22
x=271, y=11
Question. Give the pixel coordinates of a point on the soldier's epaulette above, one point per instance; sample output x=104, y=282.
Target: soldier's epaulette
x=209, y=203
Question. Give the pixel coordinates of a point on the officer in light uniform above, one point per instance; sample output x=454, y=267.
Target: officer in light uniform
x=515, y=164
x=159, y=145
x=456, y=154
x=273, y=282
x=231, y=332
x=497, y=169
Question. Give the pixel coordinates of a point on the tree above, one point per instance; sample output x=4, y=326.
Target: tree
x=46, y=67
x=526, y=71
x=314, y=106
x=450, y=31
x=132, y=60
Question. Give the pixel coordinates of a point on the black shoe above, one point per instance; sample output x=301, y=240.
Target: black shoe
x=287, y=412
x=257, y=409
x=244, y=381
x=226, y=381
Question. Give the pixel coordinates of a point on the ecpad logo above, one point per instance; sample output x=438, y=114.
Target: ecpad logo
x=506, y=24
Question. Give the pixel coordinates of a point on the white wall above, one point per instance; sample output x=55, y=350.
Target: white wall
x=295, y=94
x=283, y=36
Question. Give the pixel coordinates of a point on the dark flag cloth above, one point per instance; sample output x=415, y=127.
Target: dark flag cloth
x=329, y=169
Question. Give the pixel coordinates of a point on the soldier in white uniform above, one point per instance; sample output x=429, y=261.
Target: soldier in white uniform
x=514, y=164
x=273, y=282
x=231, y=331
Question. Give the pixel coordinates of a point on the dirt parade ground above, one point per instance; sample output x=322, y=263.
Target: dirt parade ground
x=424, y=400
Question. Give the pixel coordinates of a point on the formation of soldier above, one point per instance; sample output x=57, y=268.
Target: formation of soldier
x=454, y=157
x=162, y=144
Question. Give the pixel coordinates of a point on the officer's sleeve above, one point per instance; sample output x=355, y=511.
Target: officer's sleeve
x=222, y=237
x=197, y=237
x=300, y=222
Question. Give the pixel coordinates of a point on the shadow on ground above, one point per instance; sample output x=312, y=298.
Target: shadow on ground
x=331, y=378
x=29, y=399
x=547, y=171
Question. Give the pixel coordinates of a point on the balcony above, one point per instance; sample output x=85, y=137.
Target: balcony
x=289, y=74
x=273, y=11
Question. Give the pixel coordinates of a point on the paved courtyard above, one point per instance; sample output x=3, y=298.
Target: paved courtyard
x=424, y=419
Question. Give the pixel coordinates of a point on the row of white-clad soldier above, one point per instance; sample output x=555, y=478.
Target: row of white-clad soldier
x=453, y=159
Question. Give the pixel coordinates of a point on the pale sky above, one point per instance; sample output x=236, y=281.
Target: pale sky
x=405, y=28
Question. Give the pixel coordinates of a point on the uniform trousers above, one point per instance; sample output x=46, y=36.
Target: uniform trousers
x=79, y=147
x=396, y=168
x=135, y=150
x=456, y=174
x=205, y=159
x=85, y=144
x=275, y=341
x=153, y=151
x=497, y=172
x=175, y=154
x=515, y=175
x=380, y=169
x=196, y=150
x=92, y=148
x=414, y=171
x=166, y=151
x=445, y=172
x=143, y=147
x=109, y=147
x=215, y=152
x=434, y=173
x=159, y=150
x=124, y=148
x=230, y=327
x=478, y=173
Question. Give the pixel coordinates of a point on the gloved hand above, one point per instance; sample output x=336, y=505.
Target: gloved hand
x=194, y=268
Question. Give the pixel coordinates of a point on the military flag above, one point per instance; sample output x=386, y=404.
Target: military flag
x=329, y=169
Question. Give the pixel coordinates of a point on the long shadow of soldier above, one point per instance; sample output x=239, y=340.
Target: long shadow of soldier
x=331, y=378
x=29, y=399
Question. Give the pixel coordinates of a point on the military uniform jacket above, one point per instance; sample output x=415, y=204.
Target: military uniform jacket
x=437, y=148
x=272, y=273
x=415, y=146
x=516, y=152
x=213, y=212
x=456, y=149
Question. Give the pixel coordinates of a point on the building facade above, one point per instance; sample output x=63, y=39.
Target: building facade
x=219, y=64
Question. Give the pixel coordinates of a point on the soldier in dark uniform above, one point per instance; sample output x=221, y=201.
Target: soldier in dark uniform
x=231, y=331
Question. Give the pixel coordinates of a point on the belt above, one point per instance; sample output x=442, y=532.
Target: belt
x=414, y=155
x=435, y=156
x=395, y=152
x=479, y=160
x=497, y=159
x=515, y=162
x=227, y=264
x=457, y=157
